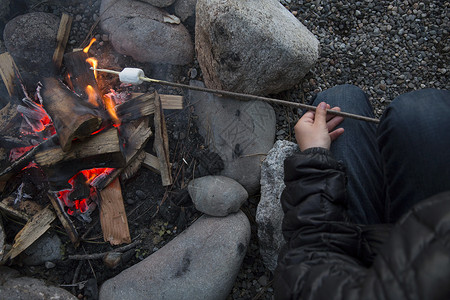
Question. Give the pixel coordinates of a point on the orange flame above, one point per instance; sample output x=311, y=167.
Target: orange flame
x=94, y=63
x=92, y=95
x=109, y=104
x=86, y=50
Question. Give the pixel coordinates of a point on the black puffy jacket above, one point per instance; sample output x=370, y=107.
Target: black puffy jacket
x=327, y=257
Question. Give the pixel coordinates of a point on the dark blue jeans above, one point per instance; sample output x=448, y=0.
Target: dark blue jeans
x=403, y=161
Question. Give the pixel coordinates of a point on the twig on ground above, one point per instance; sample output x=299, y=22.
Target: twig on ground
x=101, y=255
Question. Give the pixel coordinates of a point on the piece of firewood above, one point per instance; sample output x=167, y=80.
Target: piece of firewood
x=80, y=76
x=161, y=143
x=101, y=150
x=113, y=217
x=64, y=219
x=151, y=162
x=61, y=38
x=143, y=105
x=136, y=139
x=34, y=229
x=71, y=117
x=10, y=75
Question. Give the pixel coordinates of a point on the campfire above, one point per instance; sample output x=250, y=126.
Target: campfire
x=82, y=137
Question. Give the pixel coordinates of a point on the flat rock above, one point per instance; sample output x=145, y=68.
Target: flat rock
x=202, y=262
x=253, y=46
x=31, y=41
x=139, y=30
x=185, y=9
x=217, y=195
x=25, y=288
x=241, y=132
x=159, y=3
x=269, y=214
x=46, y=248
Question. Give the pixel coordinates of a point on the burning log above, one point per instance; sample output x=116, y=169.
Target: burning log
x=99, y=151
x=113, y=217
x=161, y=143
x=71, y=117
x=81, y=78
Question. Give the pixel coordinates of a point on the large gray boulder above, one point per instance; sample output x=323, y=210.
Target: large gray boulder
x=241, y=132
x=185, y=9
x=217, y=195
x=25, y=288
x=269, y=214
x=200, y=263
x=31, y=41
x=146, y=33
x=252, y=46
x=159, y=3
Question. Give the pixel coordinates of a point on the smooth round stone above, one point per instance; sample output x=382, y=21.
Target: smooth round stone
x=217, y=195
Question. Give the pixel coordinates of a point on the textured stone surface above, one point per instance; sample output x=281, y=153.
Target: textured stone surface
x=138, y=29
x=217, y=195
x=159, y=3
x=253, y=46
x=31, y=40
x=241, y=132
x=200, y=263
x=185, y=9
x=25, y=288
x=269, y=214
x=46, y=248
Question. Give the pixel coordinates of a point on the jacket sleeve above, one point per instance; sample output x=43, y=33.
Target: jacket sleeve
x=324, y=254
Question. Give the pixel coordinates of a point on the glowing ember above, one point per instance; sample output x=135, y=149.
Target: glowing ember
x=92, y=95
x=16, y=153
x=109, y=104
x=81, y=205
x=86, y=50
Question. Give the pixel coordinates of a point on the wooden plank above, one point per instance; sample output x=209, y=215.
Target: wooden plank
x=113, y=217
x=9, y=73
x=167, y=101
x=61, y=38
x=34, y=229
x=171, y=101
x=161, y=143
x=151, y=162
x=6, y=208
x=137, y=138
x=65, y=221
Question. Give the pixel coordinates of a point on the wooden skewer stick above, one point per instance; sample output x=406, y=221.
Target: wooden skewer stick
x=248, y=97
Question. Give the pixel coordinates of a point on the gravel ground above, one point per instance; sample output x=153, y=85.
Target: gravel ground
x=385, y=47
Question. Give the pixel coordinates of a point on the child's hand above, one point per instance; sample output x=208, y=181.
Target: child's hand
x=314, y=129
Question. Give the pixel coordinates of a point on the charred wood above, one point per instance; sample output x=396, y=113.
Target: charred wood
x=71, y=117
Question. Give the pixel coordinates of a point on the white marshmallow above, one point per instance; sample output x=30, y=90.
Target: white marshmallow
x=131, y=75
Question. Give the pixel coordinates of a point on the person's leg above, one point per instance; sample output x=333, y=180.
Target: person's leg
x=357, y=149
x=414, y=140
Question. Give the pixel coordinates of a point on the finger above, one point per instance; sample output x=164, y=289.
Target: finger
x=308, y=116
x=330, y=116
x=337, y=133
x=334, y=122
x=321, y=113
